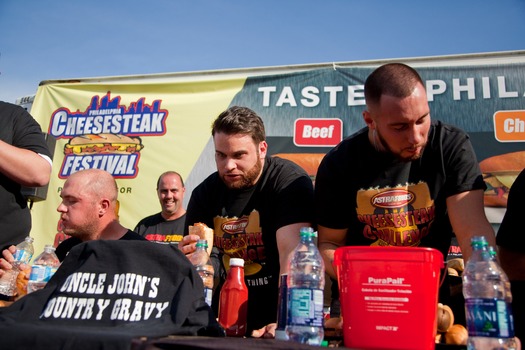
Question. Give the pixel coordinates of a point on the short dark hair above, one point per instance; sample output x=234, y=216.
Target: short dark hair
x=170, y=172
x=240, y=120
x=393, y=79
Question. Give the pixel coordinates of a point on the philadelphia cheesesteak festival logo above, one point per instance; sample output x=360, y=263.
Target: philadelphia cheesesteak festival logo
x=107, y=135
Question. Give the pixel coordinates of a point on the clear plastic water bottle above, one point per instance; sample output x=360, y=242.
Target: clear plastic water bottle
x=506, y=280
x=44, y=267
x=508, y=292
x=202, y=263
x=24, y=253
x=305, y=292
x=487, y=301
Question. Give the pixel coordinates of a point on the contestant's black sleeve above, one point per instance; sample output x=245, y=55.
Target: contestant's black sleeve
x=510, y=231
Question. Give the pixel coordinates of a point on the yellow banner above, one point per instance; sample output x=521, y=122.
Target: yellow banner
x=135, y=130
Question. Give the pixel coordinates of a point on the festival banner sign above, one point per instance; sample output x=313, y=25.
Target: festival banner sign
x=138, y=127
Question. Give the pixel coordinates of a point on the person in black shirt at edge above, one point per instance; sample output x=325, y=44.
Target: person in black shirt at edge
x=25, y=160
x=511, y=250
x=88, y=211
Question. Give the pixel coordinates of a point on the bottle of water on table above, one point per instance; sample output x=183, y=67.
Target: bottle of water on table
x=305, y=292
x=44, y=267
x=487, y=301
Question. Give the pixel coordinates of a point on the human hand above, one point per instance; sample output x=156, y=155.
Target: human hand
x=334, y=322
x=267, y=331
x=188, y=244
x=8, y=258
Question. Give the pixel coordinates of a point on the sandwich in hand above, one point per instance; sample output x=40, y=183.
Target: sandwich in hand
x=204, y=232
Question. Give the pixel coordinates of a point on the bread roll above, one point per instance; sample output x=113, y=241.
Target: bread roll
x=445, y=318
x=457, y=264
x=452, y=272
x=204, y=232
x=457, y=335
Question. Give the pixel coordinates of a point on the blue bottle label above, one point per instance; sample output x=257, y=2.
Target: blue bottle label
x=305, y=307
x=489, y=318
x=41, y=273
x=22, y=255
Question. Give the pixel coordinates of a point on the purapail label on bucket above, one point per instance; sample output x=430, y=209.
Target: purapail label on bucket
x=388, y=296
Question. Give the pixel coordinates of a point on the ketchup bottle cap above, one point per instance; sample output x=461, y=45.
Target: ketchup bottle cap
x=236, y=262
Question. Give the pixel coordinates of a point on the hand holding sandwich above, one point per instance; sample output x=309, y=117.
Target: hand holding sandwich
x=196, y=232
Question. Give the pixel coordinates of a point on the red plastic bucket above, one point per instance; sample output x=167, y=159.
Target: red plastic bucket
x=388, y=296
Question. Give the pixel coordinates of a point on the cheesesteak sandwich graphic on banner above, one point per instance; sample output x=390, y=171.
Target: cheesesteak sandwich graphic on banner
x=396, y=216
x=499, y=173
x=117, y=154
x=103, y=143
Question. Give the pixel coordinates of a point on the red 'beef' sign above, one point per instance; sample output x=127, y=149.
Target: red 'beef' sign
x=318, y=132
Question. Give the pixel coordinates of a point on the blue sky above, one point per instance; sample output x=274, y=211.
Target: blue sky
x=58, y=39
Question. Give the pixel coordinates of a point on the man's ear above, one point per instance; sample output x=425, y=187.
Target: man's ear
x=367, y=117
x=104, y=205
x=263, y=147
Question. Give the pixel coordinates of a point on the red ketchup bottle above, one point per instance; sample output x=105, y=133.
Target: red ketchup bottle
x=233, y=301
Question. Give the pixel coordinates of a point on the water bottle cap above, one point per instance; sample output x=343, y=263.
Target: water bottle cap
x=478, y=242
x=49, y=247
x=492, y=251
x=306, y=232
x=237, y=262
x=202, y=243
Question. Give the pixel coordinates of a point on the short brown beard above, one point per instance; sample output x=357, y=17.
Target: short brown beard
x=247, y=180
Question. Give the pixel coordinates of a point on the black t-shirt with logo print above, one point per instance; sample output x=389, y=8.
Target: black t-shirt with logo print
x=245, y=223
x=157, y=229
x=384, y=201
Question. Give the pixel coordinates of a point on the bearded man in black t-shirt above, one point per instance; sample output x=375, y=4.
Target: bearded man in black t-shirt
x=256, y=205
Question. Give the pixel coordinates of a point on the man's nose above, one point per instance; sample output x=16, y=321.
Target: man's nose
x=230, y=164
x=61, y=208
x=416, y=136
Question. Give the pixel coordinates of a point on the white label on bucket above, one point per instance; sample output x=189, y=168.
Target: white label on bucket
x=386, y=294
